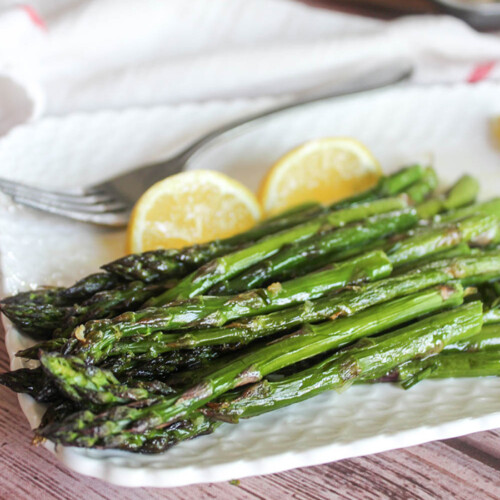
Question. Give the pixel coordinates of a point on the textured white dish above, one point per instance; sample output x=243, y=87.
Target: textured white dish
x=399, y=125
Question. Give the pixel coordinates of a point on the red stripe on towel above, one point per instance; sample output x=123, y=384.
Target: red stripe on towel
x=34, y=16
x=480, y=72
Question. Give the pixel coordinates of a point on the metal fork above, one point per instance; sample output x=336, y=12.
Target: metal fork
x=110, y=202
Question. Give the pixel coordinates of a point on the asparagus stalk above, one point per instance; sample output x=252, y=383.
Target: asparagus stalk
x=491, y=207
x=389, y=185
x=160, y=440
x=109, y=303
x=59, y=296
x=33, y=351
x=43, y=296
x=488, y=339
x=42, y=321
x=90, y=285
x=163, y=264
x=314, y=253
x=151, y=441
x=98, y=337
x=367, y=360
x=89, y=384
x=492, y=315
x=37, y=321
x=310, y=341
x=30, y=381
x=463, y=192
x=347, y=303
x=421, y=189
x=450, y=365
x=57, y=411
x=160, y=366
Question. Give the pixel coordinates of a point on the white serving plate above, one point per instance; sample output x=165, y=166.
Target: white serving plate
x=447, y=124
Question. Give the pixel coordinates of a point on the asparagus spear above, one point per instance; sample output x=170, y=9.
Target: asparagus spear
x=98, y=337
x=109, y=303
x=37, y=321
x=419, y=191
x=59, y=296
x=487, y=339
x=163, y=365
x=42, y=321
x=491, y=207
x=35, y=383
x=90, y=285
x=367, y=360
x=309, y=341
x=160, y=440
x=492, y=315
x=389, y=185
x=90, y=384
x=460, y=250
x=347, y=303
x=462, y=193
x=476, y=230
x=153, y=440
x=33, y=351
x=450, y=365
x=43, y=296
x=30, y=381
x=162, y=264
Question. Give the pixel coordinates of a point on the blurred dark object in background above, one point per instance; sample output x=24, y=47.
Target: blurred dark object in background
x=385, y=9
x=482, y=15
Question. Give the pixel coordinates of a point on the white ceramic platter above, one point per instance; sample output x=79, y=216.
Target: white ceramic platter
x=446, y=124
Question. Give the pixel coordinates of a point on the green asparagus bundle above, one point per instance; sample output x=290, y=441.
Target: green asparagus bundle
x=306, y=343
x=152, y=360
x=102, y=339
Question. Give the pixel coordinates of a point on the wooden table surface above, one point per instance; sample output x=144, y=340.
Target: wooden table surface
x=462, y=468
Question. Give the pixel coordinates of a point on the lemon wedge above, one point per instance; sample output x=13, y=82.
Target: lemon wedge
x=324, y=170
x=191, y=207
